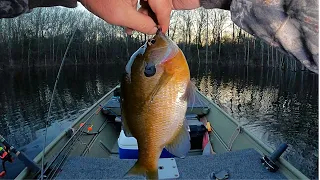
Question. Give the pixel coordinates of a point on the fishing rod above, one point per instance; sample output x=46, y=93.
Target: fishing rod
x=21, y=156
x=50, y=106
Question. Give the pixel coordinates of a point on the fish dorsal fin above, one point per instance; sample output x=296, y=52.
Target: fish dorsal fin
x=192, y=96
x=180, y=145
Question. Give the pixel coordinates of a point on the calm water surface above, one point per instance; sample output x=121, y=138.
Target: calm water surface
x=276, y=106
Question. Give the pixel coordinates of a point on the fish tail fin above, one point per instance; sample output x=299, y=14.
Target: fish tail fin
x=139, y=170
x=136, y=170
x=152, y=174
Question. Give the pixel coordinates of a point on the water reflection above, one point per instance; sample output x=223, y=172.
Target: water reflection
x=25, y=97
x=276, y=106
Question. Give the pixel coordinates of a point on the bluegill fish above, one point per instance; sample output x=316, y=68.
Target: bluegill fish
x=154, y=97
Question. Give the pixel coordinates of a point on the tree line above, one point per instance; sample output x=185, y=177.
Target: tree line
x=40, y=38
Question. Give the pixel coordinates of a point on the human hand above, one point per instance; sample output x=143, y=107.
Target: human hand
x=124, y=13
x=162, y=9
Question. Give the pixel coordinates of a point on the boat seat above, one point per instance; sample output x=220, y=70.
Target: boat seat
x=244, y=164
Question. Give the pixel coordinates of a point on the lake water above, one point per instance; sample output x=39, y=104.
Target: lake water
x=276, y=106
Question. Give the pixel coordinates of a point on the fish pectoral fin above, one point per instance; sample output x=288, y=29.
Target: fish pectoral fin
x=138, y=170
x=180, y=145
x=164, y=79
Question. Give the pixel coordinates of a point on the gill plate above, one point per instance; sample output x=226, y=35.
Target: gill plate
x=140, y=51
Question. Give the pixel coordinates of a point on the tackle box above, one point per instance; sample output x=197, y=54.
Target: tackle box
x=128, y=147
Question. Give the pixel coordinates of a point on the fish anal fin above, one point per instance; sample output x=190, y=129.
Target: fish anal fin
x=152, y=174
x=180, y=145
x=139, y=170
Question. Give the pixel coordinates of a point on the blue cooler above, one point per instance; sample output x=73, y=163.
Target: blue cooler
x=128, y=148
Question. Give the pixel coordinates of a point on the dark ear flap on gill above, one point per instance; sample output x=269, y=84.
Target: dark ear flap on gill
x=150, y=69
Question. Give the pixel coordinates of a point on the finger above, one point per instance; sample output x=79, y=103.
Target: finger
x=162, y=9
x=129, y=31
x=142, y=10
x=138, y=21
x=134, y=3
x=185, y=4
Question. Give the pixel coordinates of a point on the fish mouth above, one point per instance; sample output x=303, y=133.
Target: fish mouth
x=164, y=37
x=159, y=55
x=159, y=31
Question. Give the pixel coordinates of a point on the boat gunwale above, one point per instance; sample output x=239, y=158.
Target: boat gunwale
x=284, y=163
x=268, y=149
x=49, y=147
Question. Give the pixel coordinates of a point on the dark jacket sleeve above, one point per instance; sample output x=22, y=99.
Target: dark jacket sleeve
x=292, y=26
x=13, y=8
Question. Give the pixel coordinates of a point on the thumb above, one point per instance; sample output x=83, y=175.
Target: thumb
x=162, y=9
x=139, y=22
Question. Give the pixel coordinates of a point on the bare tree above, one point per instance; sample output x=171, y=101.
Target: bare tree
x=39, y=38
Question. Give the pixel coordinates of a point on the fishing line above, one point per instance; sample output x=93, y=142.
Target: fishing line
x=51, y=101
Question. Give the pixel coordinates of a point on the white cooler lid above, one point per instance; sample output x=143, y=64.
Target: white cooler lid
x=125, y=142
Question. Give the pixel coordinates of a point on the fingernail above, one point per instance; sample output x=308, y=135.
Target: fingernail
x=154, y=30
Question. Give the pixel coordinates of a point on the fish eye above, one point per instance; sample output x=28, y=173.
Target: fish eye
x=151, y=41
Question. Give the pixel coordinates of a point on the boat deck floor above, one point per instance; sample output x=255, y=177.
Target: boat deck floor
x=244, y=164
